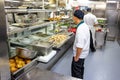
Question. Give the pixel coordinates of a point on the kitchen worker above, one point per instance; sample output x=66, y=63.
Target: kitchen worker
x=91, y=21
x=52, y=15
x=81, y=45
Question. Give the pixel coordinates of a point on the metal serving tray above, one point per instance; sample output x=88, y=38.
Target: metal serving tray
x=24, y=69
x=42, y=47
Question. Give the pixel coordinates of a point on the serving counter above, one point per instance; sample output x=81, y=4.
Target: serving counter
x=27, y=69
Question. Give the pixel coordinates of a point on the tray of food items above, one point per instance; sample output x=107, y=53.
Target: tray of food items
x=21, y=59
x=58, y=39
x=17, y=62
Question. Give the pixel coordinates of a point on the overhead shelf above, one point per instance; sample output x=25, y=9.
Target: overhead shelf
x=42, y=25
x=41, y=10
x=28, y=10
x=15, y=10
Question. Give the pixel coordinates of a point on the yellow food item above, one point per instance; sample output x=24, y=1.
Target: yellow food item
x=19, y=66
x=57, y=39
x=28, y=61
x=17, y=63
x=23, y=64
x=12, y=64
x=54, y=19
x=20, y=62
x=13, y=69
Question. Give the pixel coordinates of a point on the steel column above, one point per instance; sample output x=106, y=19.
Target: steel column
x=4, y=63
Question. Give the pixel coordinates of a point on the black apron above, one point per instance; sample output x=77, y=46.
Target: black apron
x=77, y=68
x=92, y=47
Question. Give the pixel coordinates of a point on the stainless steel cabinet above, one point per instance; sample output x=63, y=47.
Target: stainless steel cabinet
x=112, y=14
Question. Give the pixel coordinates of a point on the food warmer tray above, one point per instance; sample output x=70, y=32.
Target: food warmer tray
x=69, y=34
x=26, y=68
x=43, y=47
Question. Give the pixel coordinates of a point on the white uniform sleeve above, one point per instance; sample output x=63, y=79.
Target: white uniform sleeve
x=85, y=19
x=80, y=39
x=95, y=20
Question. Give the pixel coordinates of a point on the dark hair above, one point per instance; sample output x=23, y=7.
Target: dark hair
x=79, y=14
x=89, y=9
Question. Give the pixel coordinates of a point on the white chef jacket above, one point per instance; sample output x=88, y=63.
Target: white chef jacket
x=82, y=40
x=52, y=15
x=90, y=20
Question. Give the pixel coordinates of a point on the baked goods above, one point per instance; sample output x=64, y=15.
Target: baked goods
x=17, y=63
x=57, y=39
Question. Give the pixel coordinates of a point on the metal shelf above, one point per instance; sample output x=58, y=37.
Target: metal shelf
x=42, y=25
x=15, y=10
x=28, y=10
x=41, y=10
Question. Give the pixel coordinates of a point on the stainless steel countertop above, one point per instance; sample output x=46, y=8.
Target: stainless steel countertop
x=38, y=74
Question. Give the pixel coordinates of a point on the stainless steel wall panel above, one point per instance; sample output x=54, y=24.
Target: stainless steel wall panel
x=4, y=64
x=111, y=16
x=3, y=33
x=99, y=13
x=98, y=8
x=112, y=19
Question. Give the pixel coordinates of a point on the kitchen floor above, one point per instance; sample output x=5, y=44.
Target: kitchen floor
x=104, y=64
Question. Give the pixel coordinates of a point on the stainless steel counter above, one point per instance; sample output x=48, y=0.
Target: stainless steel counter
x=43, y=66
x=38, y=74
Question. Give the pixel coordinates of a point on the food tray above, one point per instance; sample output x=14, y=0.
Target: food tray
x=17, y=63
x=43, y=47
x=59, y=45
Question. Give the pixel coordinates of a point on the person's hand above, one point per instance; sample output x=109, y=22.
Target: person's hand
x=76, y=59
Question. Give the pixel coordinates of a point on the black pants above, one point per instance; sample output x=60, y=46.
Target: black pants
x=92, y=47
x=77, y=68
